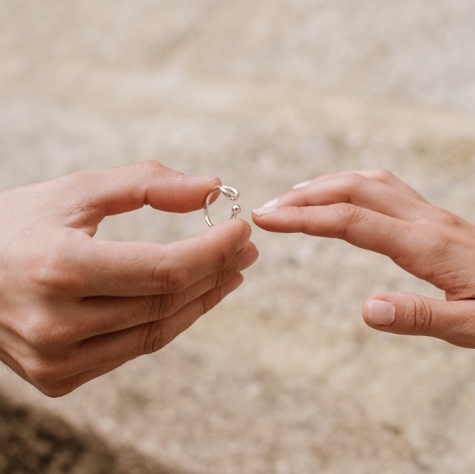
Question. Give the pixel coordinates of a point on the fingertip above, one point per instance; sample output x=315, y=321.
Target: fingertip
x=235, y=224
x=380, y=311
x=204, y=183
x=234, y=229
x=130, y=187
x=404, y=314
x=197, y=189
x=280, y=219
x=271, y=219
x=262, y=211
x=205, y=178
x=173, y=190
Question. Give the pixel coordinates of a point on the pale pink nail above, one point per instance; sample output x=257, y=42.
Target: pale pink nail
x=381, y=313
x=302, y=185
x=262, y=211
x=271, y=203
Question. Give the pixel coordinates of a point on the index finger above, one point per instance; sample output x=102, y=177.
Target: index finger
x=361, y=227
x=102, y=268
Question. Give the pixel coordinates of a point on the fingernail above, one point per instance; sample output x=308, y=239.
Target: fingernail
x=261, y=211
x=203, y=178
x=271, y=203
x=301, y=185
x=381, y=313
x=249, y=258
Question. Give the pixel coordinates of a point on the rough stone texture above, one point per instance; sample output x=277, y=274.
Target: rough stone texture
x=283, y=377
x=34, y=441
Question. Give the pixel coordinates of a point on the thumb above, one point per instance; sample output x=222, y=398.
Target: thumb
x=415, y=315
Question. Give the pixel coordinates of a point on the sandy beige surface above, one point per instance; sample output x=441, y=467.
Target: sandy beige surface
x=283, y=377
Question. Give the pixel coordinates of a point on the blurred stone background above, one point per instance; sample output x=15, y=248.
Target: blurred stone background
x=283, y=377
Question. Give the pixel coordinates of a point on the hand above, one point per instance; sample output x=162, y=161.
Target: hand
x=374, y=210
x=73, y=307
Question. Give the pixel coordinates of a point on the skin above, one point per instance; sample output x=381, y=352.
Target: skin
x=73, y=307
x=375, y=210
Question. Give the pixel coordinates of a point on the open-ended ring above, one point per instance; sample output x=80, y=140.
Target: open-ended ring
x=230, y=193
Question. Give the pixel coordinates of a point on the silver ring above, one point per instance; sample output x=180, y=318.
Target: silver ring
x=230, y=193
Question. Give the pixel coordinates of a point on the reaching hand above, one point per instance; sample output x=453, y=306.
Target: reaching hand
x=73, y=307
x=374, y=210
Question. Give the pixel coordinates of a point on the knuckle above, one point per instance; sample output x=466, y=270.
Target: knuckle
x=150, y=166
x=40, y=370
x=223, y=257
x=433, y=237
x=168, y=275
x=46, y=371
x=153, y=168
x=155, y=336
x=209, y=301
x=58, y=389
x=37, y=331
x=437, y=244
x=356, y=179
x=162, y=306
x=349, y=212
x=422, y=317
x=383, y=175
x=448, y=217
x=440, y=216
x=42, y=331
x=52, y=272
x=222, y=277
x=348, y=215
x=174, y=279
x=145, y=309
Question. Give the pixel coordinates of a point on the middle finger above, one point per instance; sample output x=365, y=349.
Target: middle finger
x=378, y=174
x=360, y=191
